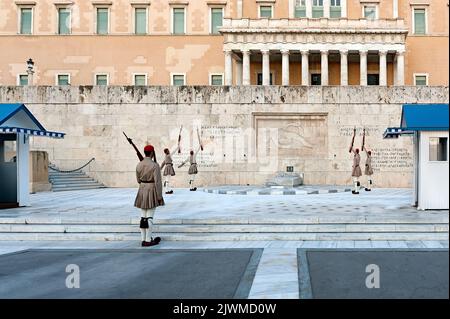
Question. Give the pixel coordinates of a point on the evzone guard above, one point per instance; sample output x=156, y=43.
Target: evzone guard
x=192, y=159
x=167, y=166
x=149, y=195
x=356, y=169
x=368, y=170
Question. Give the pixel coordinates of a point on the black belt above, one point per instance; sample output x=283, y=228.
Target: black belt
x=169, y=164
x=146, y=182
x=193, y=163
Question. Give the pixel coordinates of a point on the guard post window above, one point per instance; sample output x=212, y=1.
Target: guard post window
x=216, y=20
x=64, y=22
x=26, y=20
x=420, y=79
x=102, y=20
x=438, y=149
x=300, y=9
x=317, y=9
x=101, y=79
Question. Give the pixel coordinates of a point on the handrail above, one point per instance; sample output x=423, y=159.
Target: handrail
x=73, y=170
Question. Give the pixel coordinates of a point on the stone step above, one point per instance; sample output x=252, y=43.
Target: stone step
x=59, y=174
x=75, y=181
x=216, y=229
x=61, y=178
x=226, y=236
x=75, y=188
x=85, y=218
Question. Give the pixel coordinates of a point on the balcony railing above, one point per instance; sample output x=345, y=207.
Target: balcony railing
x=314, y=25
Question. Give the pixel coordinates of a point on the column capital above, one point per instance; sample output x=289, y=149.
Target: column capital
x=343, y=52
x=265, y=52
x=382, y=52
x=324, y=52
x=362, y=52
x=304, y=52
x=227, y=51
x=284, y=51
x=400, y=52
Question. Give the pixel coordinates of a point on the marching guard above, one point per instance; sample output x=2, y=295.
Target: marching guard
x=167, y=166
x=368, y=170
x=356, y=169
x=149, y=196
x=192, y=159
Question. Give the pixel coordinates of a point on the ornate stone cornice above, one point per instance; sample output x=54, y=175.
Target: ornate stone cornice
x=380, y=26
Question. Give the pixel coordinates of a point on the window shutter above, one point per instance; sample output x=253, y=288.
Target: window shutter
x=64, y=21
x=141, y=21
x=216, y=19
x=25, y=22
x=419, y=21
x=102, y=21
x=178, y=21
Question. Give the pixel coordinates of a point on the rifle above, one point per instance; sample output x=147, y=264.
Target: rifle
x=179, y=140
x=138, y=153
x=364, y=140
x=199, y=139
x=353, y=140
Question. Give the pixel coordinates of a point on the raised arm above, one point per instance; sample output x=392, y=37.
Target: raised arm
x=175, y=150
x=183, y=163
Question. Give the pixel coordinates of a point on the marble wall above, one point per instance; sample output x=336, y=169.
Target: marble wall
x=249, y=132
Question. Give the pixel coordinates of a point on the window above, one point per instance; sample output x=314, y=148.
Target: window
x=438, y=149
x=300, y=9
x=216, y=20
x=178, y=21
x=421, y=79
x=335, y=8
x=265, y=12
x=370, y=12
x=140, y=79
x=101, y=79
x=64, y=21
x=317, y=9
x=260, y=79
x=26, y=21
x=178, y=79
x=216, y=79
x=419, y=21
x=373, y=79
x=63, y=79
x=140, y=20
x=316, y=79
x=102, y=20
x=22, y=79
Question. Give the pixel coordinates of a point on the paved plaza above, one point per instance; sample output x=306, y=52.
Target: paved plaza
x=220, y=224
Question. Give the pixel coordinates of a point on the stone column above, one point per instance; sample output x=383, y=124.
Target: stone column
x=246, y=67
x=344, y=67
x=239, y=8
x=228, y=68
x=400, y=67
x=362, y=67
x=305, y=67
x=265, y=67
x=285, y=67
x=383, y=68
x=308, y=8
x=326, y=8
x=395, y=9
x=324, y=67
x=238, y=72
x=344, y=8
